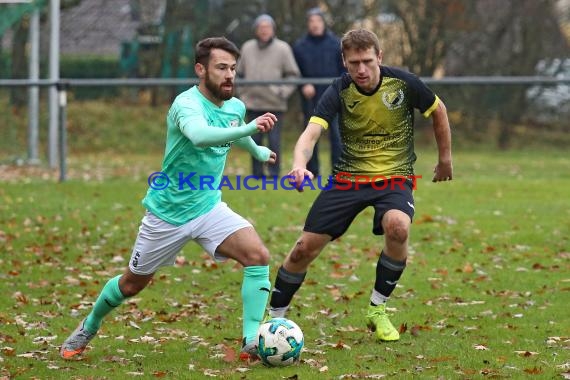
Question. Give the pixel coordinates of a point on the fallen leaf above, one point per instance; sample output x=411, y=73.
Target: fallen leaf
x=526, y=353
x=533, y=371
x=442, y=359
x=467, y=268
x=8, y=351
x=134, y=325
x=229, y=354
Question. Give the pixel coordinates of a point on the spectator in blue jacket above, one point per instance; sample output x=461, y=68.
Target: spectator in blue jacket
x=318, y=55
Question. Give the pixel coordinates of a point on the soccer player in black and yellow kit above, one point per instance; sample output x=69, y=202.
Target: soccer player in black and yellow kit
x=375, y=105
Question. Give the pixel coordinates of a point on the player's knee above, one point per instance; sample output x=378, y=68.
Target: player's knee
x=304, y=252
x=257, y=256
x=397, y=230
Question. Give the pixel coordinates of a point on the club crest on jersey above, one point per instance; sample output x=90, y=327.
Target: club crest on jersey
x=234, y=123
x=393, y=100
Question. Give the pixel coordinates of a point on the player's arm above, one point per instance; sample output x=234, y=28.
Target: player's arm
x=194, y=126
x=260, y=153
x=303, y=153
x=432, y=106
x=443, y=171
x=327, y=108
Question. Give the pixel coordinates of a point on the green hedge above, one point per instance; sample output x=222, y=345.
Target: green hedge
x=77, y=67
x=91, y=67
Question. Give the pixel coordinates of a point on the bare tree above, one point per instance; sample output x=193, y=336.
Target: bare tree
x=429, y=27
x=507, y=37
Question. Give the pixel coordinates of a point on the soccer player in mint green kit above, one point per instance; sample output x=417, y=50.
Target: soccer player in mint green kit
x=202, y=124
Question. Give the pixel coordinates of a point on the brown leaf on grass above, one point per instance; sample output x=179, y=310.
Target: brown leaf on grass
x=403, y=328
x=341, y=345
x=442, y=359
x=467, y=268
x=442, y=271
x=159, y=373
x=533, y=371
x=335, y=292
x=116, y=359
x=229, y=354
x=337, y=274
x=8, y=351
x=310, y=282
x=526, y=353
x=20, y=298
x=415, y=331
x=424, y=219
x=6, y=339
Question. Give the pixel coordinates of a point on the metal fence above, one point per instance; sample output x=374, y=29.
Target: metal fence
x=57, y=144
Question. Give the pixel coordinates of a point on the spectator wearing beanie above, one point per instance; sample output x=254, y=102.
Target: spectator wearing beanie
x=266, y=57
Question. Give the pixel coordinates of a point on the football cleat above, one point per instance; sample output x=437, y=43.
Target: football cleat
x=76, y=343
x=377, y=321
x=248, y=352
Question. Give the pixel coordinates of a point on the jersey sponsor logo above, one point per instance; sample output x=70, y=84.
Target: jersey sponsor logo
x=352, y=105
x=393, y=100
x=136, y=259
x=379, y=132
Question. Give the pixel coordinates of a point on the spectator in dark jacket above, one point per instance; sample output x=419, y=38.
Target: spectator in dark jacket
x=318, y=55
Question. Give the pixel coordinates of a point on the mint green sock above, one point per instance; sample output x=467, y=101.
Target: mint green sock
x=254, y=292
x=109, y=298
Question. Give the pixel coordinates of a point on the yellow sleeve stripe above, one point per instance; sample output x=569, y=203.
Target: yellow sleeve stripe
x=432, y=108
x=317, y=120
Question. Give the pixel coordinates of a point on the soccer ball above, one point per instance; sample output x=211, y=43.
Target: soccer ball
x=280, y=341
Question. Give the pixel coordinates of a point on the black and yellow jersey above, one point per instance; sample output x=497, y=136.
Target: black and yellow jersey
x=377, y=127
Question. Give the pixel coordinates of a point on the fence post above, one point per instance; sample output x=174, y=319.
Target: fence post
x=62, y=96
x=53, y=76
x=34, y=91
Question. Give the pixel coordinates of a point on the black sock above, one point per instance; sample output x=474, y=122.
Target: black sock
x=286, y=285
x=388, y=272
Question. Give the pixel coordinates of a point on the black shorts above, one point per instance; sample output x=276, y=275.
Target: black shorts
x=336, y=207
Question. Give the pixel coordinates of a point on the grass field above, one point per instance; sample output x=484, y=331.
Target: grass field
x=485, y=294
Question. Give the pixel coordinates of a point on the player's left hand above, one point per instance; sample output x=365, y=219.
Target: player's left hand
x=443, y=171
x=272, y=158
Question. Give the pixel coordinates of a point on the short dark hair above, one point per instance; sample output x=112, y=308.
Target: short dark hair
x=360, y=39
x=205, y=46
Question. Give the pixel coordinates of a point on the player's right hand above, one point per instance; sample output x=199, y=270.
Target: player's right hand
x=298, y=176
x=265, y=122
